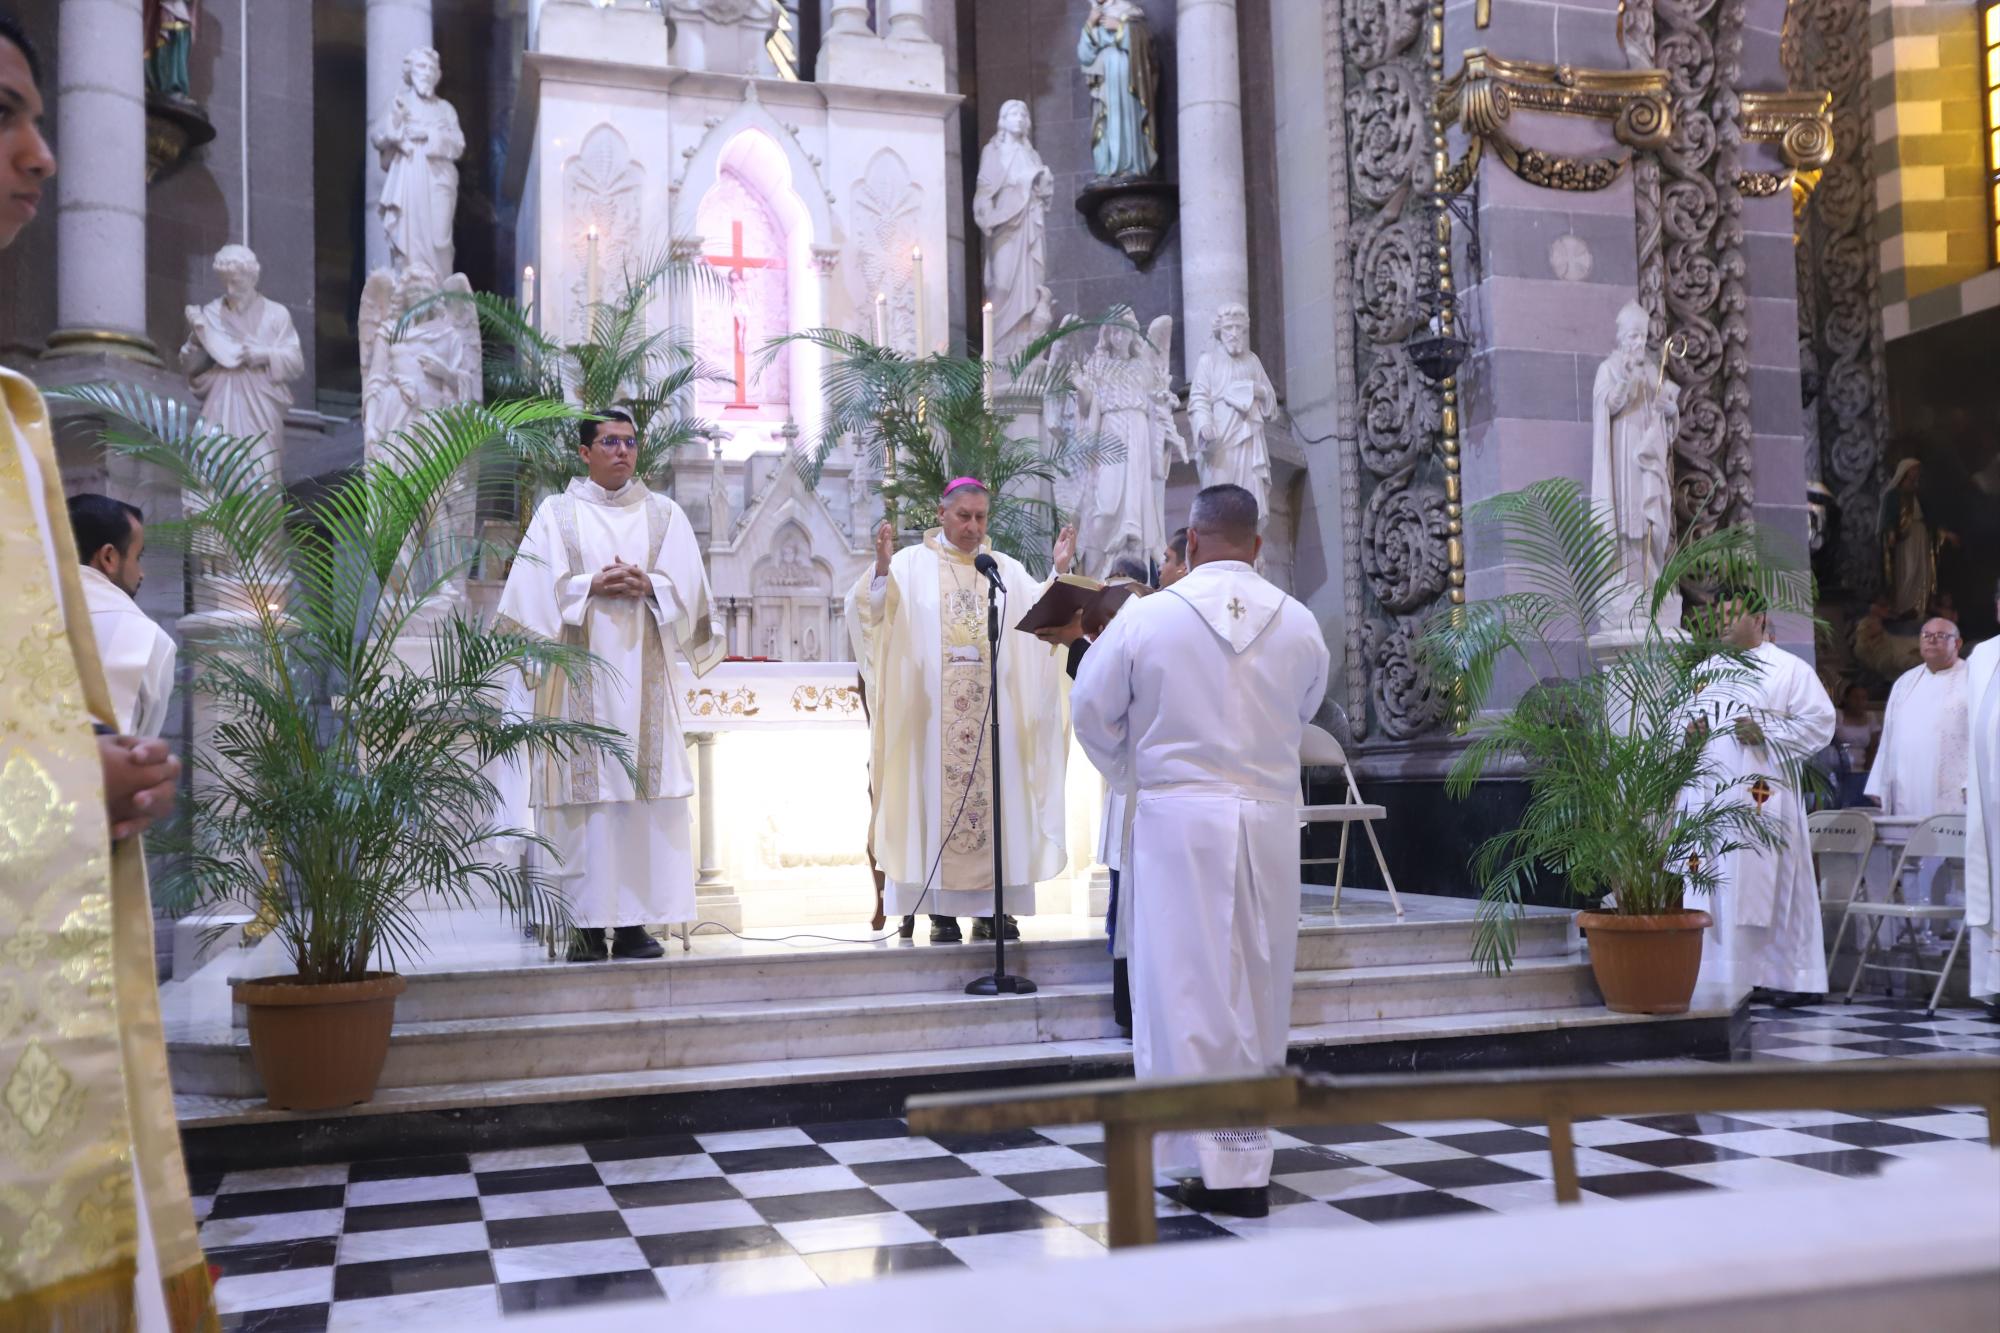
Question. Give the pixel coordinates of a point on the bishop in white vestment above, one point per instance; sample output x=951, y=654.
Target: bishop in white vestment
x=614, y=567
x=1766, y=931
x=137, y=655
x=1982, y=821
x=1195, y=700
x=919, y=627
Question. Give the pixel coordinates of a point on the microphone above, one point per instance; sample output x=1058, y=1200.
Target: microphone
x=987, y=565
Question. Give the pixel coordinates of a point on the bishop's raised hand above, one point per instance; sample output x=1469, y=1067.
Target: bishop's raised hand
x=1065, y=552
x=885, y=546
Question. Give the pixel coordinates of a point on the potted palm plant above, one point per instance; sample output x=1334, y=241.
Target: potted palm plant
x=923, y=421
x=1626, y=800
x=340, y=787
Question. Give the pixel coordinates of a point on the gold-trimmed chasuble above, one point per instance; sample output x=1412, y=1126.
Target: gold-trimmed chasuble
x=965, y=739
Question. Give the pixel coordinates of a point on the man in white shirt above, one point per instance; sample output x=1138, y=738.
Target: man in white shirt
x=611, y=566
x=1921, y=761
x=138, y=655
x=1982, y=820
x=1194, y=701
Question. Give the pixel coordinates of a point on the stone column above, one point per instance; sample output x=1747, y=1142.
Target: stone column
x=715, y=898
x=1215, y=265
x=101, y=190
x=839, y=649
x=847, y=18
x=395, y=28
x=906, y=21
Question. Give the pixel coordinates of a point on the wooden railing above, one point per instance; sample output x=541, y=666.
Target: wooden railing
x=1132, y=1113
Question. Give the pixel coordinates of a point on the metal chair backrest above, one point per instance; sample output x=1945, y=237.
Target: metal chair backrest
x=1941, y=836
x=1841, y=841
x=1319, y=749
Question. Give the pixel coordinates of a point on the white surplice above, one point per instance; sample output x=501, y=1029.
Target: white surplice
x=138, y=655
x=627, y=858
x=1195, y=700
x=1920, y=762
x=1982, y=821
x=920, y=638
x=1766, y=927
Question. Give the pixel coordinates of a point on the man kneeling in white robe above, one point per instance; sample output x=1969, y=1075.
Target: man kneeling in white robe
x=1196, y=700
x=138, y=655
x=1765, y=927
x=613, y=567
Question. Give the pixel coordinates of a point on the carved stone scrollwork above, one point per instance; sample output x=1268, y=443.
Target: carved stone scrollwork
x=1388, y=272
x=1407, y=700
x=1373, y=30
x=1482, y=97
x=1404, y=551
x=1385, y=131
x=1399, y=414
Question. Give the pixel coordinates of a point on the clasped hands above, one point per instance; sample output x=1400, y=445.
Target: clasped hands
x=619, y=579
x=139, y=781
x=1746, y=729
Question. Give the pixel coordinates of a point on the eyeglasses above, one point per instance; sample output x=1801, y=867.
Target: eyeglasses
x=1938, y=638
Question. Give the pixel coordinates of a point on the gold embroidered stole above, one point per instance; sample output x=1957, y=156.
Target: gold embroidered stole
x=83, y=1062
x=965, y=734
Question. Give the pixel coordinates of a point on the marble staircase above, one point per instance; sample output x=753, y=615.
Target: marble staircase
x=489, y=1018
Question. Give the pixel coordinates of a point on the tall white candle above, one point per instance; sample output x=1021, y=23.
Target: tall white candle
x=528, y=294
x=881, y=319
x=591, y=265
x=986, y=347
x=923, y=320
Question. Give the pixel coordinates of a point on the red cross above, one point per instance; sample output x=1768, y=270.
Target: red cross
x=736, y=262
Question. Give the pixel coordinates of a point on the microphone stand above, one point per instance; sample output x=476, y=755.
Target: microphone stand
x=999, y=983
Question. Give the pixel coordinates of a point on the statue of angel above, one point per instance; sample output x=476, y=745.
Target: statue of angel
x=430, y=361
x=1125, y=399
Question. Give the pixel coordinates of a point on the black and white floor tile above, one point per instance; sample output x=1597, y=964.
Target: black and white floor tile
x=375, y=1244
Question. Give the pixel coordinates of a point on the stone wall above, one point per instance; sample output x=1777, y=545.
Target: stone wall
x=1931, y=213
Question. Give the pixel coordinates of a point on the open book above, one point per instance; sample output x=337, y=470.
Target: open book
x=1071, y=593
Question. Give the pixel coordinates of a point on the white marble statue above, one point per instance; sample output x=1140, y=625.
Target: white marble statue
x=242, y=353
x=1124, y=396
x=1010, y=205
x=420, y=142
x=1122, y=72
x=1634, y=414
x=409, y=369
x=1229, y=400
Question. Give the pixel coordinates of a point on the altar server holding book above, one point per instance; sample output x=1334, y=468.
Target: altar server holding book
x=1196, y=699
x=611, y=566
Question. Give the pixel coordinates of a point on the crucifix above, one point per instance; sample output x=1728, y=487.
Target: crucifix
x=738, y=263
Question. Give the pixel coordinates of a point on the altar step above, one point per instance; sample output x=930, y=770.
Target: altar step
x=535, y=1020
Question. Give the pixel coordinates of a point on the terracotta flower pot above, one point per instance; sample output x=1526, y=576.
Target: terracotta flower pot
x=1645, y=964
x=319, y=1047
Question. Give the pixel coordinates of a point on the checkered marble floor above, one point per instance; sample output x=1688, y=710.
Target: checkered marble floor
x=373, y=1244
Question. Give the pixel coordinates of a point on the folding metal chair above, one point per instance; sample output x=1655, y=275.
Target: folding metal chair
x=1841, y=842
x=1318, y=749
x=1941, y=836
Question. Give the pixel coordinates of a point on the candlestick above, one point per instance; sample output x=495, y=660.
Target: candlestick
x=917, y=281
x=881, y=319
x=590, y=265
x=986, y=349
x=528, y=297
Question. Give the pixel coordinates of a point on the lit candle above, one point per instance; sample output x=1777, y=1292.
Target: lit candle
x=986, y=347
x=528, y=295
x=590, y=265
x=917, y=281
x=881, y=319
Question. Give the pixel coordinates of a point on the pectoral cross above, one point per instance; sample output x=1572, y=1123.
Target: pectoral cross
x=1236, y=609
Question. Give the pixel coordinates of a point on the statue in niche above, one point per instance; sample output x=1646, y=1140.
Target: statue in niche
x=408, y=369
x=420, y=142
x=1229, y=400
x=1122, y=72
x=170, y=34
x=1634, y=416
x=1124, y=397
x=242, y=353
x=1010, y=205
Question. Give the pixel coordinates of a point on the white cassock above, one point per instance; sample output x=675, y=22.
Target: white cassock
x=920, y=636
x=1195, y=700
x=1982, y=821
x=1766, y=927
x=1920, y=761
x=626, y=853
x=138, y=655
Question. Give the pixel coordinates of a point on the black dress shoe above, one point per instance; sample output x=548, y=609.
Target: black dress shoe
x=944, y=930
x=908, y=929
x=1251, y=1201
x=1793, y=999
x=634, y=942
x=982, y=928
x=587, y=946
